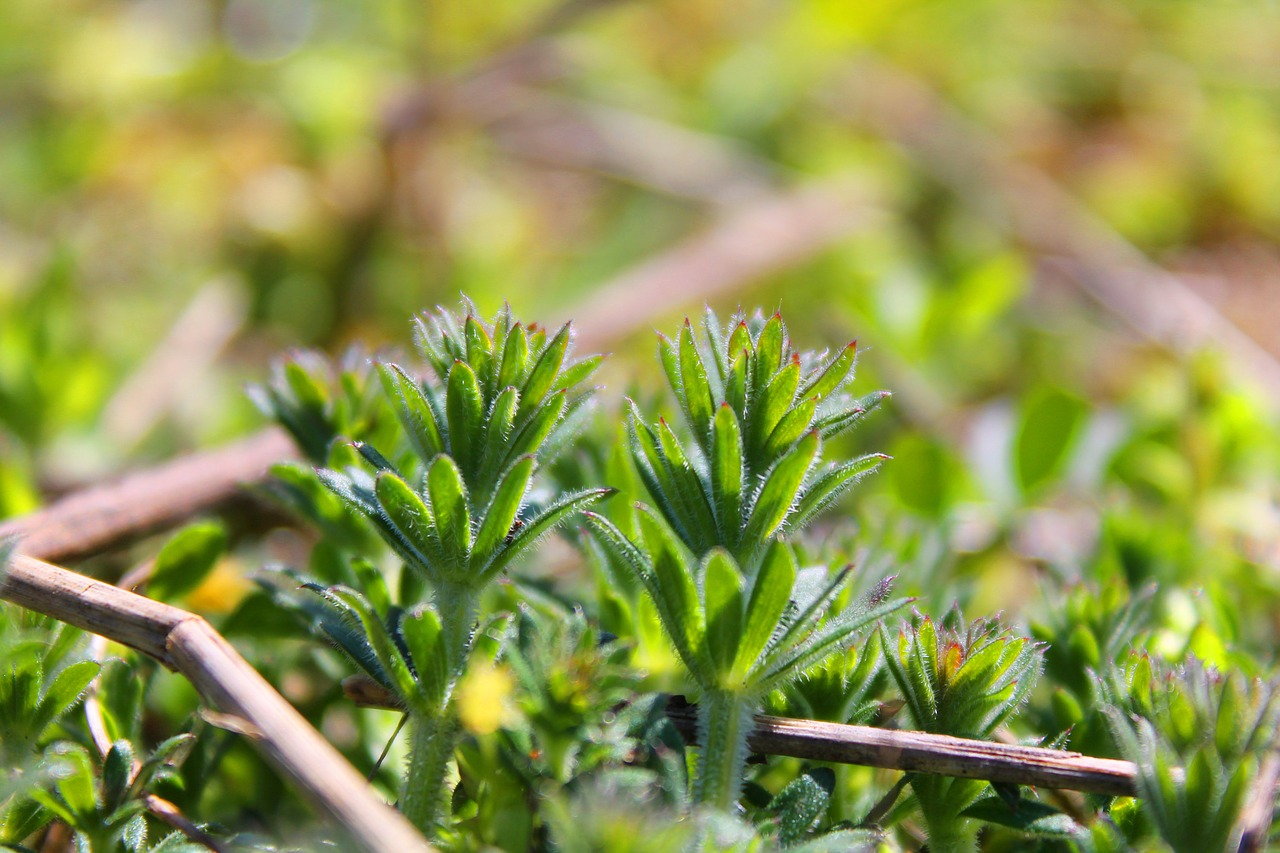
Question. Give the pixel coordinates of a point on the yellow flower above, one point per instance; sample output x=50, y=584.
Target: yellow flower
x=485, y=699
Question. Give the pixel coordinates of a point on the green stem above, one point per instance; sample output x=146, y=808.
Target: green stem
x=457, y=605
x=431, y=745
x=434, y=736
x=941, y=802
x=725, y=720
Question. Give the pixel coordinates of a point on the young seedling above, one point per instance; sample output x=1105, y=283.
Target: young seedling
x=1197, y=737
x=963, y=682
x=506, y=398
x=710, y=558
x=759, y=413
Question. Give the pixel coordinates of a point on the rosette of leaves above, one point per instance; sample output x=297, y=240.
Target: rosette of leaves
x=963, y=681
x=759, y=412
x=738, y=635
x=1198, y=738
x=1087, y=630
x=107, y=812
x=457, y=515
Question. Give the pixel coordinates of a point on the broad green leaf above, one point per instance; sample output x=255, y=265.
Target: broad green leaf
x=1049, y=423
x=449, y=506
x=186, y=560
x=1031, y=817
x=503, y=508
x=691, y=495
x=722, y=604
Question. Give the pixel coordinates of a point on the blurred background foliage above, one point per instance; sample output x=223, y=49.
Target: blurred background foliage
x=1052, y=224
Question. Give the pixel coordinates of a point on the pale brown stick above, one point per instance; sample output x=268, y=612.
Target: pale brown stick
x=1031, y=207
x=890, y=749
x=186, y=643
x=757, y=239
x=98, y=518
x=1255, y=821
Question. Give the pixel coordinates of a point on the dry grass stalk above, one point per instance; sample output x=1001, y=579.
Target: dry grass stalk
x=188, y=644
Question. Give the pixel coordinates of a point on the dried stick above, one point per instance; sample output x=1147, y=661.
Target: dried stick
x=890, y=749
x=95, y=519
x=1255, y=821
x=188, y=644
x=1035, y=210
x=757, y=239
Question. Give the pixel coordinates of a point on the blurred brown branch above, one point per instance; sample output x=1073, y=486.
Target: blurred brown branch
x=1037, y=212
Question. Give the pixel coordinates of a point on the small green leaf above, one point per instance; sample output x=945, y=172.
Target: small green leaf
x=384, y=648
x=772, y=404
x=515, y=358
x=421, y=630
x=801, y=804
x=464, y=407
x=682, y=617
x=727, y=474
x=68, y=688
x=186, y=559
x=769, y=350
x=697, y=392
x=543, y=376
x=479, y=346
x=1030, y=816
x=578, y=372
x=793, y=425
x=770, y=595
x=833, y=374
x=498, y=433
x=410, y=525
x=1050, y=421
x=75, y=783
x=413, y=410
x=117, y=772
x=722, y=604
x=539, y=525
x=449, y=506
x=779, y=492
x=502, y=510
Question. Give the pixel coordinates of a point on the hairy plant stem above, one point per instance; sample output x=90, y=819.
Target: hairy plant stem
x=433, y=736
x=941, y=802
x=725, y=719
x=431, y=743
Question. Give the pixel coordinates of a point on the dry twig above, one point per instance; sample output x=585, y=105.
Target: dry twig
x=188, y=644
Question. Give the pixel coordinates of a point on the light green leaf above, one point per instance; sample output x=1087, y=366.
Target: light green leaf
x=413, y=410
x=464, y=408
x=778, y=494
x=697, y=392
x=186, y=560
x=722, y=604
x=449, y=506
x=770, y=595
x=833, y=374
x=502, y=510
x=727, y=474
x=543, y=376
